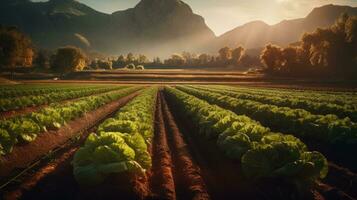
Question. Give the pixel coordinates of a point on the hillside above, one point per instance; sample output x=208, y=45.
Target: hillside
x=256, y=34
x=154, y=27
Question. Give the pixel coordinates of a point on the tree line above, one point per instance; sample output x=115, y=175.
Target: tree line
x=16, y=49
x=328, y=51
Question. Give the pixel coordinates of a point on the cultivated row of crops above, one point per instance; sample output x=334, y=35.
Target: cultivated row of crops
x=13, y=103
x=120, y=144
x=328, y=129
x=26, y=90
x=340, y=98
x=25, y=129
x=315, y=106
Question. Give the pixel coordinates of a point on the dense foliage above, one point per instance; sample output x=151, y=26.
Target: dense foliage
x=68, y=59
x=15, y=48
x=120, y=143
x=326, y=51
x=25, y=129
x=263, y=153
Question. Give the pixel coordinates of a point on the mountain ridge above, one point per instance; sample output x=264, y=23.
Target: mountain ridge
x=156, y=27
x=257, y=35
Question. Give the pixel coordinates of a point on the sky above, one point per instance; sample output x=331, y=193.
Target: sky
x=224, y=15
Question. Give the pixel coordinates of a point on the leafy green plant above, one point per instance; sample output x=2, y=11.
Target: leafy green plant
x=120, y=144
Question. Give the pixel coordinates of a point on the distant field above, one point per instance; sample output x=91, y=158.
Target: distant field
x=179, y=76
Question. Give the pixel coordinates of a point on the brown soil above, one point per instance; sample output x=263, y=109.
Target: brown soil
x=14, y=113
x=23, y=155
x=343, y=179
x=332, y=193
x=189, y=180
x=131, y=186
x=162, y=181
x=30, y=183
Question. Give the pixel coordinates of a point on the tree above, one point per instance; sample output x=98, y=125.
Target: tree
x=204, y=59
x=175, y=60
x=105, y=64
x=157, y=61
x=326, y=51
x=225, y=54
x=142, y=59
x=42, y=59
x=15, y=48
x=237, y=54
x=271, y=58
x=333, y=49
x=290, y=59
x=28, y=57
x=119, y=62
x=248, y=61
x=68, y=59
x=94, y=64
x=130, y=58
x=187, y=56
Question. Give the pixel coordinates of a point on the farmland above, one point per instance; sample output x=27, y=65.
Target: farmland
x=111, y=141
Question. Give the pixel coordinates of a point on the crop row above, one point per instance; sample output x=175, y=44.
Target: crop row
x=317, y=96
x=26, y=90
x=25, y=129
x=327, y=129
x=120, y=143
x=262, y=153
x=292, y=102
x=7, y=104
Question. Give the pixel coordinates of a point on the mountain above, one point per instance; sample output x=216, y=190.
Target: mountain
x=153, y=27
x=257, y=34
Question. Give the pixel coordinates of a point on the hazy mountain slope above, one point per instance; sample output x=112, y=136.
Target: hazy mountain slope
x=257, y=34
x=153, y=26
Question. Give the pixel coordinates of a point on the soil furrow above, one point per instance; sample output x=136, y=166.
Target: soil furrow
x=187, y=172
x=162, y=181
x=343, y=179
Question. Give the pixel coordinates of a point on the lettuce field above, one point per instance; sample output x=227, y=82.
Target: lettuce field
x=167, y=142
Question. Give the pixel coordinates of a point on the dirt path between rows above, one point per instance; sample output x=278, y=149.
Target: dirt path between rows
x=162, y=180
x=188, y=178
